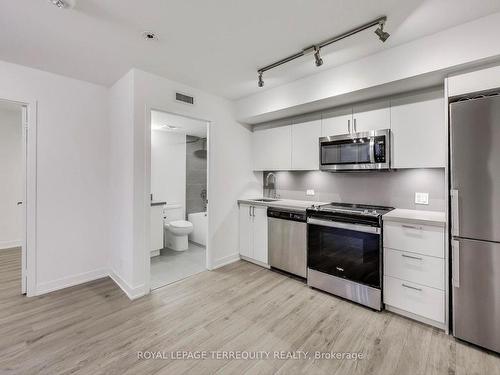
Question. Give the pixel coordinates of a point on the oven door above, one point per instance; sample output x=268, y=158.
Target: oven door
x=346, y=250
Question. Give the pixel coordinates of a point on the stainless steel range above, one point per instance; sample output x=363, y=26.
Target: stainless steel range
x=345, y=251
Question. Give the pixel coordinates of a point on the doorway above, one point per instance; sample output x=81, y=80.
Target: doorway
x=179, y=191
x=13, y=159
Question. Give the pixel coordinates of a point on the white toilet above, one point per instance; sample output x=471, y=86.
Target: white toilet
x=176, y=228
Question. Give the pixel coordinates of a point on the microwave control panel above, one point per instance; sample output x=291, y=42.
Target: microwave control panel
x=379, y=149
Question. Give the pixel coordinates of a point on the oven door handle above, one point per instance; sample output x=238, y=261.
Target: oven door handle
x=336, y=224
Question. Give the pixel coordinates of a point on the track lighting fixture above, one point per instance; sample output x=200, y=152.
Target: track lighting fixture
x=382, y=35
x=317, y=58
x=261, y=81
x=316, y=48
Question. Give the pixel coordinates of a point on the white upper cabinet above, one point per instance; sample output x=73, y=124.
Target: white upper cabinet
x=305, y=145
x=418, y=130
x=272, y=148
x=371, y=116
x=336, y=122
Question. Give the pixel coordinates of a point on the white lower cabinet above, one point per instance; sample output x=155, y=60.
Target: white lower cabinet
x=414, y=267
x=253, y=233
x=156, y=225
x=414, y=271
x=414, y=298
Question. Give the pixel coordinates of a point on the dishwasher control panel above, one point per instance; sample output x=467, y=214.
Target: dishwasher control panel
x=285, y=214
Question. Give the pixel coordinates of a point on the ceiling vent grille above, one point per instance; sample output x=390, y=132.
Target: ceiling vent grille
x=184, y=98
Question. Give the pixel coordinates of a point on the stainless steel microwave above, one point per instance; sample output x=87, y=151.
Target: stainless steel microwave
x=356, y=151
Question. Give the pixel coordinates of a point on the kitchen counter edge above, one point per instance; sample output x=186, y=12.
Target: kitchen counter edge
x=436, y=218
x=285, y=203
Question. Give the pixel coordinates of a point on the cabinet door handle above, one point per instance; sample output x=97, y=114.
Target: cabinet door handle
x=249, y=210
x=455, y=264
x=411, y=226
x=411, y=257
x=411, y=287
x=354, y=126
x=455, y=219
x=349, y=126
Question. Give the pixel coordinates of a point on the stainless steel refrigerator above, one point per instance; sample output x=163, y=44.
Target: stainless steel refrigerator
x=475, y=220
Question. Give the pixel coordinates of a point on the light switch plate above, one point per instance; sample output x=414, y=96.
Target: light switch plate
x=310, y=192
x=422, y=198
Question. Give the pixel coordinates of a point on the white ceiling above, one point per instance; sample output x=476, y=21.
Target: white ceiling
x=216, y=46
x=183, y=124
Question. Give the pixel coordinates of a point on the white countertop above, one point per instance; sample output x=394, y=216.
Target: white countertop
x=284, y=203
x=416, y=216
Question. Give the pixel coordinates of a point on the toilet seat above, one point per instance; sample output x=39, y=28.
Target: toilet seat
x=180, y=224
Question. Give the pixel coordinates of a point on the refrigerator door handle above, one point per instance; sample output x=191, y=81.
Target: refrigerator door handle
x=455, y=231
x=455, y=263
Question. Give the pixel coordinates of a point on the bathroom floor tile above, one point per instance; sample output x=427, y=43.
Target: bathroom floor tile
x=171, y=266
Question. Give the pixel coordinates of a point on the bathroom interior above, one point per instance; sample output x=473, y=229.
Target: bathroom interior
x=178, y=197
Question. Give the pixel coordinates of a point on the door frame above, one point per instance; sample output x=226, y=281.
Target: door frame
x=28, y=245
x=147, y=184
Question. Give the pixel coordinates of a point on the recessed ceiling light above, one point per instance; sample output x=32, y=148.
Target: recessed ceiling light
x=63, y=4
x=149, y=35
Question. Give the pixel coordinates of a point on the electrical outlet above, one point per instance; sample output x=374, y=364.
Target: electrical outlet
x=422, y=198
x=310, y=192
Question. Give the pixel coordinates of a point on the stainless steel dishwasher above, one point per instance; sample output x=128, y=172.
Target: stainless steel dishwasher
x=287, y=240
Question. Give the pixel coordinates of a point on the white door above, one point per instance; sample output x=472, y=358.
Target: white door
x=245, y=230
x=22, y=205
x=305, y=145
x=372, y=116
x=260, y=233
x=419, y=131
x=336, y=122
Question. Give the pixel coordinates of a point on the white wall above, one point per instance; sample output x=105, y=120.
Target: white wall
x=168, y=167
x=11, y=177
x=230, y=169
x=450, y=49
x=121, y=188
x=72, y=174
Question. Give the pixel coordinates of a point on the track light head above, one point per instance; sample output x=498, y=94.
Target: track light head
x=317, y=58
x=382, y=35
x=261, y=80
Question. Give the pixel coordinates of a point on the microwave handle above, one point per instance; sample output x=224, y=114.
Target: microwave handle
x=372, y=150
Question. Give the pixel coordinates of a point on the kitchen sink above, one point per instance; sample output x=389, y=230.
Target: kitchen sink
x=265, y=200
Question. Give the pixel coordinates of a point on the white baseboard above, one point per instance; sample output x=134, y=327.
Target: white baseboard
x=10, y=244
x=132, y=293
x=66, y=282
x=221, y=262
x=418, y=318
x=265, y=265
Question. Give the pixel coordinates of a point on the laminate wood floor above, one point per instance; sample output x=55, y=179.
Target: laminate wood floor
x=94, y=329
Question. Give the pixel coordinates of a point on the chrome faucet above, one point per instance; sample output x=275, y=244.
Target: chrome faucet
x=271, y=185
